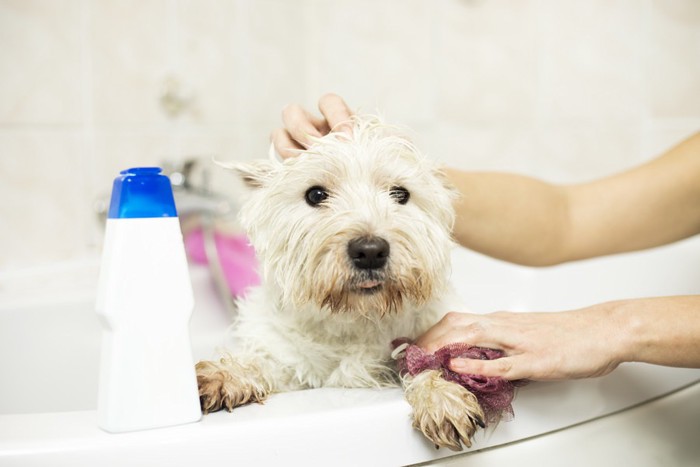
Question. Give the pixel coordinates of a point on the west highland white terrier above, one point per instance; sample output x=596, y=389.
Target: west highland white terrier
x=354, y=240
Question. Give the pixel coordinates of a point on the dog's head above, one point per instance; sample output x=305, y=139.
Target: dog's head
x=357, y=223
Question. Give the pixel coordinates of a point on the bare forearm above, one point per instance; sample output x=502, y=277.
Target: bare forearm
x=650, y=205
x=663, y=330
x=532, y=222
x=510, y=217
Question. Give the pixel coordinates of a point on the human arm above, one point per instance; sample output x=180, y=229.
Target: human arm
x=528, y=221
x=582, y=343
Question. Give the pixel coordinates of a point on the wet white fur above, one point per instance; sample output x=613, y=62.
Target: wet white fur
x=309, y=325
x=303, y=256
x=283, y=327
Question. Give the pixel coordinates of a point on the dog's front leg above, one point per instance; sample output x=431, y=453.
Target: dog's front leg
x=232, y=382
x=445, y=412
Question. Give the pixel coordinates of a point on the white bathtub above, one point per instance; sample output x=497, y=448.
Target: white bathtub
x=643, y=414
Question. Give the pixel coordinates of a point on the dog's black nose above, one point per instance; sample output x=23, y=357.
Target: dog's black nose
x=368, y=252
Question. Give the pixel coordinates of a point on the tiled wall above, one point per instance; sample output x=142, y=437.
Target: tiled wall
x=561, y=89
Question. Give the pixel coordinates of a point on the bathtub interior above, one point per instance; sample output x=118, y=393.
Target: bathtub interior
x=49, y=354
x=55, y=349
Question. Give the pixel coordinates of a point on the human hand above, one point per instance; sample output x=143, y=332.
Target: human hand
x=538, y=346
x=300, y=125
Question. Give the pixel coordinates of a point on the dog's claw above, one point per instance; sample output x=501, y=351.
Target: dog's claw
x=229, y=404
x=220, y=389
x=445, y=412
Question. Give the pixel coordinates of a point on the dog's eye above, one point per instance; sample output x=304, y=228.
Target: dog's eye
x=400, y=194
x=316, y=195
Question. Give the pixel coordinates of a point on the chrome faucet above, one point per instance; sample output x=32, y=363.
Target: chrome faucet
x=193, y=196
x=191, y=183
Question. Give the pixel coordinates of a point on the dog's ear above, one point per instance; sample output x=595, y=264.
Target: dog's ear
x=254, y=174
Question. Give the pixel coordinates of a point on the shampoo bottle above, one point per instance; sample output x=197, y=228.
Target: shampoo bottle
x=145, y=301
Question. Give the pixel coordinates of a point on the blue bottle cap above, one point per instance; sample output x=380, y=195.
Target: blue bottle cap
x=142, y=192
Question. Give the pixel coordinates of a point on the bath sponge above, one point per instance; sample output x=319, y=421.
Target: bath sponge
x=494, y=394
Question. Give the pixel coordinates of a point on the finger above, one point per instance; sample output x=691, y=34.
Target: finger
x=321, y=124
x=510, y=368
x=284, y=144
x=336, y=112
x=432, y=339
x=453, y=328
x=299, y=125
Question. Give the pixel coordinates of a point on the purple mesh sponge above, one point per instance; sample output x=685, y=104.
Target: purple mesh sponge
x=494, y=394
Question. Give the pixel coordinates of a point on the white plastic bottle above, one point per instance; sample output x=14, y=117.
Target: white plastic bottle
x=144, y=299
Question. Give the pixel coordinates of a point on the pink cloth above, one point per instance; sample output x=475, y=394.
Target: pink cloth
x=236, y=255
x=493, y=393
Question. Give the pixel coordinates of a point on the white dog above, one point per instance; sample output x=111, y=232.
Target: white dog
x=354, y=240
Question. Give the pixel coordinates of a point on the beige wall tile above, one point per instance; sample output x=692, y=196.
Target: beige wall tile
x=572, y=153
x=592, y=59
x=40, y=62
x=42, y=205
x=486, y=60
x=272, y=46
x=240, y=142
x=376, y=54
x=132, y=52
x=662, y=134
x=208, y=63
x=559, y=153
x=243, y=59
x=674, y=63
x=485, y=147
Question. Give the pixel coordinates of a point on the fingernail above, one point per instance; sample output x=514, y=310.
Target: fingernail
x=344, y=128
x=456, y=364
x=460, y=365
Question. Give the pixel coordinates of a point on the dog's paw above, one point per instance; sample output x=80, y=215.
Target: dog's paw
x=227, y=384
x=445, y=412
